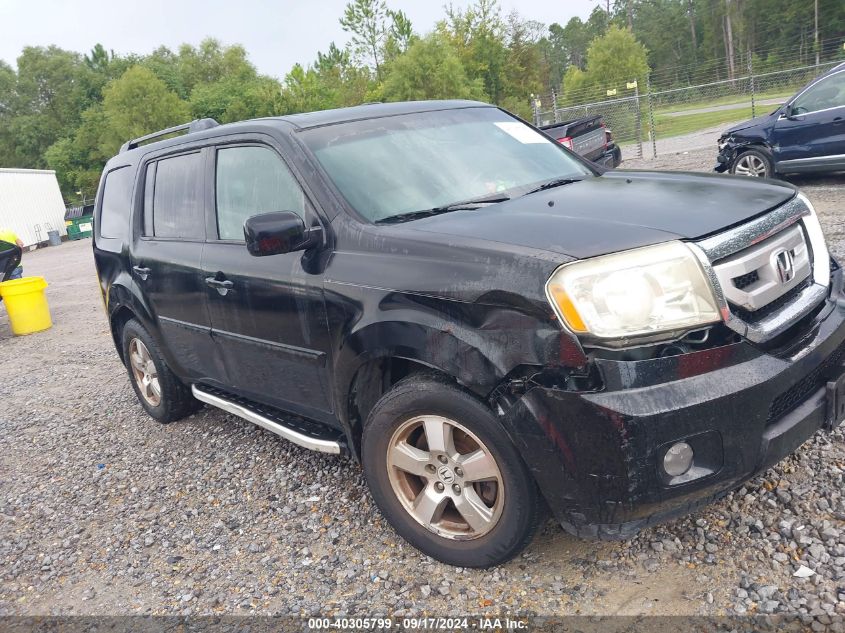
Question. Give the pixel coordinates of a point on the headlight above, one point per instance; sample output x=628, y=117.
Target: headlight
x=821, y=257
x=643, y=291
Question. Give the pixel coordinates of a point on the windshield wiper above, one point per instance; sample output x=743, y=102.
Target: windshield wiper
x=472, y=203
x=551, y=184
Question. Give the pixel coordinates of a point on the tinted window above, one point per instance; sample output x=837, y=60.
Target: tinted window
x=250, y=181
x=177, y=198
x=114, y=212
x=828, y=93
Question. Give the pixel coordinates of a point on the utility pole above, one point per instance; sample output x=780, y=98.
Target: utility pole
x=817, y=31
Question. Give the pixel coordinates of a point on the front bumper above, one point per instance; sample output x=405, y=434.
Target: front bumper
x=597, y=456
x=725, y=157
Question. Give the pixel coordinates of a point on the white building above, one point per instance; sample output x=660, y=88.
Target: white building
x=31, y=204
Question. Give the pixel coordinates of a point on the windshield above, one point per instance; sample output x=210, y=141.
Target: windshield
x=396, y=165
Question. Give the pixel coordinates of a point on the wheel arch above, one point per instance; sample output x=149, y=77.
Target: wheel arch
x=756, y=144
x=122, y=307
x=396, y=350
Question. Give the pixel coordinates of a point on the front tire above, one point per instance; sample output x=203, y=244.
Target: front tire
x=446, y=476
x=756, y=163
x=159, y=391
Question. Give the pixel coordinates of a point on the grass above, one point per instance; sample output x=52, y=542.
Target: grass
x=726, y=100
x=666, y=126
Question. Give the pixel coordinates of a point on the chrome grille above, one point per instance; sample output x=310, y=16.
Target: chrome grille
x=769, y=273
x=748, y=279
x=774, y=277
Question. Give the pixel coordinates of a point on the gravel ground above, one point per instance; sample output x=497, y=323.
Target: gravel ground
x=103, y=511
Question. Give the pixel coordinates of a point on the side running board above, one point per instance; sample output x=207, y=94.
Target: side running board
x=306, y=434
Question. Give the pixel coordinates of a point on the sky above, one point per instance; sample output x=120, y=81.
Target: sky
x=276, y=34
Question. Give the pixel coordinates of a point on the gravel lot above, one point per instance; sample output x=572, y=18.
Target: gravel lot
x=103, y=511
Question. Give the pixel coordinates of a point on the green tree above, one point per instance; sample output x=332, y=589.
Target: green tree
x=612, y=60
x=525, y=69
x=136, y=104
x=554, y=50
x=333, y=58
x=366, y=21
x=664, y=24
x=8, y=79
x=52, y=88
x=478, y=34
x=235, y=99
x=205, y=64
x=430, y=69
x=401, y=32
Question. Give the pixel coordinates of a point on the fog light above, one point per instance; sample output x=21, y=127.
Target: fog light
x=678, y=459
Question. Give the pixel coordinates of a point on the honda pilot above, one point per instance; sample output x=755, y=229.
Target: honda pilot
x=489, y=324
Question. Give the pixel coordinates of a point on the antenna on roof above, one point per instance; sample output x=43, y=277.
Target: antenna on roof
x=197, y=125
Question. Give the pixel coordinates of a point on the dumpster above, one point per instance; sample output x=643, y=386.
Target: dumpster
x=79, y=222
x=26, y=304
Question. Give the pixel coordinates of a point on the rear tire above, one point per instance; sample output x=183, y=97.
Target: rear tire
x=446, y=476
x=756, y=162
x=164, y=397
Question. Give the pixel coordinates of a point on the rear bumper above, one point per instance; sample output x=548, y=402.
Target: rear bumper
x=597, y=457
x=611, y=157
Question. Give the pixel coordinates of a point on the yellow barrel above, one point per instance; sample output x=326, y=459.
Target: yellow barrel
x=26, y=304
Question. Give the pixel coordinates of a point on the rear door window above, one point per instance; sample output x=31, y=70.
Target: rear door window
x=175, y=203
x=252, y=180
x=116, y=203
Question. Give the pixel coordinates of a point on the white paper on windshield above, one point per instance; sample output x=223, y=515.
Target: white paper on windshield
x=521, y=132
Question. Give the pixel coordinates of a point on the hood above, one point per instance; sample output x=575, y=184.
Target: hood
x=753, y=124
x=616, y=211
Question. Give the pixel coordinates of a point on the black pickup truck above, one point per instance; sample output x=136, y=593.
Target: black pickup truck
x=587, y=137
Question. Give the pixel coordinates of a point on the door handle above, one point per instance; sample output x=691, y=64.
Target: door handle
x=219, y=283
x=838, y=120
x=222, y=286
x=142, y=272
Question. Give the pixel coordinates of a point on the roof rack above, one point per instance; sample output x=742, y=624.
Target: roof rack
x=194, y=126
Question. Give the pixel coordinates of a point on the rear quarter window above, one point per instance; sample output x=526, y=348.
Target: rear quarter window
x=116, y=203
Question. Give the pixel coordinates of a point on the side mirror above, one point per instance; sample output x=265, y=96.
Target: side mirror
x=278, y=232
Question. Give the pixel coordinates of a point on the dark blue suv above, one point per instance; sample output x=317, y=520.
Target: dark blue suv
x=804, y=135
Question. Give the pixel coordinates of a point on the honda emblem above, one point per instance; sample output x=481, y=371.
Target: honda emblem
x=785, y=266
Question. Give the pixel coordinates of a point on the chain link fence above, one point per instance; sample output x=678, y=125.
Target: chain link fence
x=650, y=121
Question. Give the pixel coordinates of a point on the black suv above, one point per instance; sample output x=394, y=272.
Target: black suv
x=483, y=319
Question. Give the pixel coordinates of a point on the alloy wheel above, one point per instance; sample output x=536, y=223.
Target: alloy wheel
x=445, y=477
x=750, y=165
x=145, y=372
